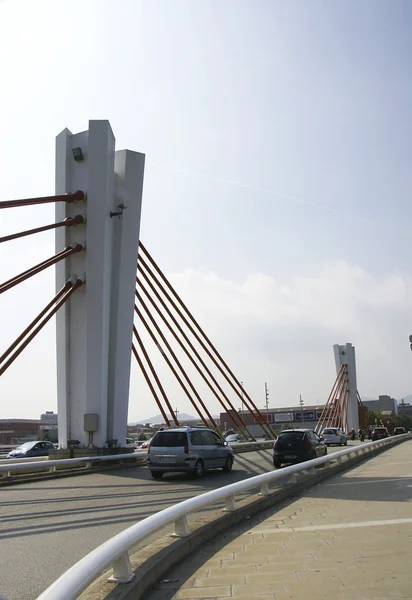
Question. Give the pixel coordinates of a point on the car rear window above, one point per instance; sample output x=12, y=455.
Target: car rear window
x=330, y=431
x=170, y=439
x=379, y=429
x=291, y=436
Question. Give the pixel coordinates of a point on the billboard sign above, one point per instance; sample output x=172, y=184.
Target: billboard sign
x=283, y=417
x=308, y=415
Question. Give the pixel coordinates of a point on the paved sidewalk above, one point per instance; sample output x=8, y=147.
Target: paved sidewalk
x=345, y=539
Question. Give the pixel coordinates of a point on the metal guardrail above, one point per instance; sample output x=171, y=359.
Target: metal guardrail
x=115, y=552
x=45, y=465
x=30, y=459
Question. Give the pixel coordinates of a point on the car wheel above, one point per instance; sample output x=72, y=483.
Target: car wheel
x=276, y=463
x=326, y=451
x=346, y=442
x=229, y=463
x=199, y=470
x=157, y=474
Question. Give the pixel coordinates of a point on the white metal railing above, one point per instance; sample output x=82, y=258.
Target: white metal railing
x=115, y=552
x=5, y=460
x=6, y=469
x=9, y=466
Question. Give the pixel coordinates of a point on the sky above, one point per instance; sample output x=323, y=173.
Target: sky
x=277, y=186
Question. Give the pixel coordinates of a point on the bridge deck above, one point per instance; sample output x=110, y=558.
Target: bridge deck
x=349, y=537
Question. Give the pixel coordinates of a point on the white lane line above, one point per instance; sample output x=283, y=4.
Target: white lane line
x=63, y=490
x=332, y=526
x=369, y=481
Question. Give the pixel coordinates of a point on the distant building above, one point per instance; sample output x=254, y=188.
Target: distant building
x=49, y=416
x=18, y=431
x=383, y=403
x=404, y=408
x=277, y=418
x=14, y=431
x=49, y=426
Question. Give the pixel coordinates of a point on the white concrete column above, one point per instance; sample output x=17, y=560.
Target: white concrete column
x=96, y=323
x=345, y=355
x=129, y=172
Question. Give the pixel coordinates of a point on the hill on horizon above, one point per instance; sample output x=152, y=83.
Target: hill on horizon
x=158, y=419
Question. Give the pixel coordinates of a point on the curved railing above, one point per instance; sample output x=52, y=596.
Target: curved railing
x=115, y=552
x=8, y=467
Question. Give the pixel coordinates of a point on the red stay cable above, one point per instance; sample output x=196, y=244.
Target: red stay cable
x=40, y=267
x=77, y=220
x=57, y=297
x=35, y=331
x=76, y=196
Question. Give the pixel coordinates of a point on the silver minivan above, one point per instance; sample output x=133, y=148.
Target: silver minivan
x=189, y=450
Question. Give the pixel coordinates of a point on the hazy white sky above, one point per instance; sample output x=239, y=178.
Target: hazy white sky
x=278, y=181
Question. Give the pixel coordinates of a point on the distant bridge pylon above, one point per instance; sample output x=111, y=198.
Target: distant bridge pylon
x=344, y=403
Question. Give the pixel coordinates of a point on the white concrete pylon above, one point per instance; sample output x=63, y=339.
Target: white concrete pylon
x=345, y=355
x=94, y=329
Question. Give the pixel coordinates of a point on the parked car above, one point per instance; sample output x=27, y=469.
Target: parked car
x=229, y=432
x=297, y=445
x=145, y=444
x=131, y=443
x=399, y=430
x=333, y=435
x=38, y=448
x=235, y=437
x=190, y=450
x=378, y=433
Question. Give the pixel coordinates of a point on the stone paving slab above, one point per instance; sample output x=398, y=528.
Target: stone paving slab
x=349, y=537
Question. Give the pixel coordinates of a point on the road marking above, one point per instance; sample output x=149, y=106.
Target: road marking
x=368, y=481
x=63, y=490
x=332, y=526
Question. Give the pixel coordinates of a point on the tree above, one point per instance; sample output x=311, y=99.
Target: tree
x=371, y=417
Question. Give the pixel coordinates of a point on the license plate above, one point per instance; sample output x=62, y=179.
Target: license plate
x=167, y=459
x=290, y=456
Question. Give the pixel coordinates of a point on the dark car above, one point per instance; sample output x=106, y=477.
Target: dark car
x=30, y=449
x=379, y=433
x=399, y=430
x=297, y=445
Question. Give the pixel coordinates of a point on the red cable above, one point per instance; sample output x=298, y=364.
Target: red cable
x=59, y=294
x=35, y=331
x=40, y=267
x=151, y=387
x=77, y=220
x=76, y=196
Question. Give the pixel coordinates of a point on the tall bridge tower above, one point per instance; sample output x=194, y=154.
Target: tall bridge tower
x=94, y=328
x=345, y=356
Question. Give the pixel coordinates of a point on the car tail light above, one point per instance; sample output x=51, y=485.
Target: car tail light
x=275, y=445
x=336, y=434
x=186, y=448
x=306, y=443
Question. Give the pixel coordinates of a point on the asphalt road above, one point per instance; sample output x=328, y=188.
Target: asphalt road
x=47, y=526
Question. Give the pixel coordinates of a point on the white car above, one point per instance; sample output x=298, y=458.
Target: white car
x=333, y=435
x=131, y=443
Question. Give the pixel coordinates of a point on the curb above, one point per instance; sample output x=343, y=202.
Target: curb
x=99, y=468
x=155, y=559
